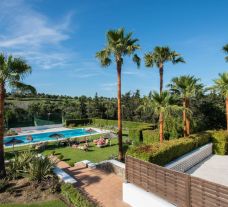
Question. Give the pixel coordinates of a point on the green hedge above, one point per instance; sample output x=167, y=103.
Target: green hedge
x=150, y=136
x=144, y=134
x=220, y=142
x=163, y=153
x=77, y=122
x=74, y=196
x=114, y=123
x=135, y=135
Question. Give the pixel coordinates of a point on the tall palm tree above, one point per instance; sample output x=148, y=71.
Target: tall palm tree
x=119, y=44
x=12, y=71
x=186, y=87
x=225, y=49
x=164, y=106
x=221, y=85
x=159, y=56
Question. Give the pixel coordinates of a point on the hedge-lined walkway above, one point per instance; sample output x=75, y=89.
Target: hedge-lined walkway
x=104, y=188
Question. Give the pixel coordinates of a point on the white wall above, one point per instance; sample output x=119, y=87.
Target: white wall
x=137, y=197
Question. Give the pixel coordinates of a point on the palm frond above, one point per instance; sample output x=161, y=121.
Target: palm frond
x=221, y=84
x=136, y=59
x=149, y=60
x=23, y=88
x=119, y=44
x=160, y=55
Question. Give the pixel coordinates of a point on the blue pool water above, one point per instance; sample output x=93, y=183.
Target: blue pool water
x=43, y=137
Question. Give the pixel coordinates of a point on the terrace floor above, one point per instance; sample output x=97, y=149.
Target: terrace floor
x=103, y=188
x=214, y=169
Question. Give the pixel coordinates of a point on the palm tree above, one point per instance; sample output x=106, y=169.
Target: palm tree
x=164, y=106
x=221, y=85
x=119, y=44
x=158, y=57
x=12, y=71
x=225, y=49
x=186, y=87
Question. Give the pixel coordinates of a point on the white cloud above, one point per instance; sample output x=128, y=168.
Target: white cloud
x=30, y=34
x=109, y=86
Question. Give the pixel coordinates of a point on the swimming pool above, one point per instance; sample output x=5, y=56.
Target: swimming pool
x=46, y=136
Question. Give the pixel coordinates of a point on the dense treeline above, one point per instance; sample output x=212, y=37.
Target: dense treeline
x=208, y=110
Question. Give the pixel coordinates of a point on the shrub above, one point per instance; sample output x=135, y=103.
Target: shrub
x=126, y=124
x=17, y=166
x=201, y=138
x=150, y=136
x=143, y=134
x=60, y=157
x=77, y=122
x=39, y=168
x=71, y=163
x=163, y=153
x=28, y=164
x=74, y=196
x=135, y=135
x=220, y=142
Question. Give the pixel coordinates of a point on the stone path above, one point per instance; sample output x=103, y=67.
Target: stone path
x=104, y=188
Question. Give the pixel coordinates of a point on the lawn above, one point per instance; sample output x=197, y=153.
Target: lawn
x=72, y=155
x=94, y=154
x=55, y=203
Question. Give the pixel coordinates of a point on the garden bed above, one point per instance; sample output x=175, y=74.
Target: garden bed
x=24, y=191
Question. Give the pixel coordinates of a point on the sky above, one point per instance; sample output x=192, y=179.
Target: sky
x=59, y=39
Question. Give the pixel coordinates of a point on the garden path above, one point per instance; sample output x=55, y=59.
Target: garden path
x=103, y=188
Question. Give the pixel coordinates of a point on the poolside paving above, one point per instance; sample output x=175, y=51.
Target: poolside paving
x=214, y=169
x=103, y=188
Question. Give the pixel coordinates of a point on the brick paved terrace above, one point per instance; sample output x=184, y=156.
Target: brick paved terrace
x=102, y=187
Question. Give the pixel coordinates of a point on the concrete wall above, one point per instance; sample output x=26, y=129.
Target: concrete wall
x=113, y=166
x=137, y=197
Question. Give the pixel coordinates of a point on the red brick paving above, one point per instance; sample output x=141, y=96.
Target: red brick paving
x=104, y=188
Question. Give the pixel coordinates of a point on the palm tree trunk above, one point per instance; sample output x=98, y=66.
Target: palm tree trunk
x=2, y=160
x=227, y=113
x=120, y=156
x=161, y=127
x=187, y=118
x=184, y=118
x=161, y=77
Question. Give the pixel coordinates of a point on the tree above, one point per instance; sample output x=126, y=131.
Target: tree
x=159, y=56
x=164, y=106
x=119, y=44
x=186, y=87
x=225, y=49
x=12, y=72
x=221, y=85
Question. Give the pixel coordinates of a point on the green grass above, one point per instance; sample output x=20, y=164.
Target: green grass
x=94, y=154
x=54, y=203
x=72, y=155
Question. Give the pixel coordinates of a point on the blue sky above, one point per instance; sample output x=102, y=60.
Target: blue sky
x=59, y=39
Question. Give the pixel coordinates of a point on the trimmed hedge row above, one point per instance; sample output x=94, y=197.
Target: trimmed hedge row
x=144, y=134
x=163, y=153
x=105, y=122
x=126, y=124
x=74, y=196
x=150, y=136
x=220, y=142
x=77, y=122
